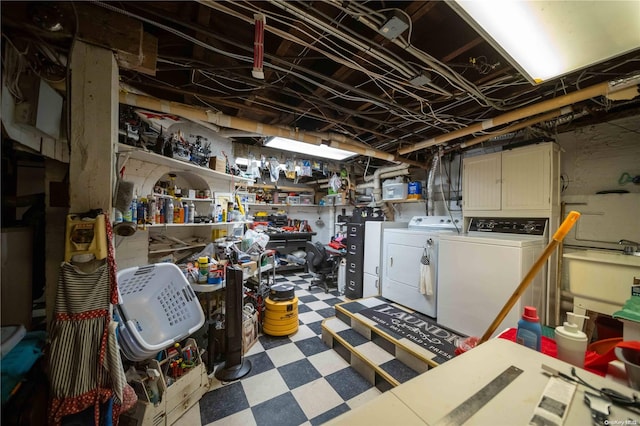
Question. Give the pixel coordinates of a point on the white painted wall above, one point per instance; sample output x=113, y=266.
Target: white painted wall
x=594, y=157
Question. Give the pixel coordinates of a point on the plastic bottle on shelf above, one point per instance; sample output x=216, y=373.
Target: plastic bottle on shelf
x=192, y=212
x=171, y=190
x=151, y=209
x=529, y=331
x=213, y=212
x=160, y=218
x=168, y=211
x=203, y=269
x=185, y=210
x=142, y=211
x=134, y=210
x=177, y=212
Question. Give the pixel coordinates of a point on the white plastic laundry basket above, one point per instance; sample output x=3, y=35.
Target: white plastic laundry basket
x=157, y=308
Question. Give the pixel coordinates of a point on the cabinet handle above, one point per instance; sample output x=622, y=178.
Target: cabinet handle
x=391, y=261
x=377, y=285
x=376, y=270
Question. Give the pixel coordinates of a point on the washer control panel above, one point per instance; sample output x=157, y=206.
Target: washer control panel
x=518, y=225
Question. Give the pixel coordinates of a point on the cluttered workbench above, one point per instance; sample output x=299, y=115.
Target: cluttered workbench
x=499, y=382
x=286, y=244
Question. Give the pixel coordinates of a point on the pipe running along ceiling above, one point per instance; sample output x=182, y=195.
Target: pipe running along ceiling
x=392, y=81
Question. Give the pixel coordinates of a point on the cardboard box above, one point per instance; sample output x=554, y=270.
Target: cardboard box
x=249, y=330
x=218, y=164
x=249, y=268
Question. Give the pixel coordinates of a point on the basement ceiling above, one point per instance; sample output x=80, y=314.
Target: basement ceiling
x=327, y=68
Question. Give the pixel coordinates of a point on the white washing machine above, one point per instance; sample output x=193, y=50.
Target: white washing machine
x=478, y=272
x=402, y=254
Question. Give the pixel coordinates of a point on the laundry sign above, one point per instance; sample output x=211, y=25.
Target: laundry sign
x=414, y=327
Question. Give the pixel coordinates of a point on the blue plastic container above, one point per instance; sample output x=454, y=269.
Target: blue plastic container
x=529, y=330
x=414, y=191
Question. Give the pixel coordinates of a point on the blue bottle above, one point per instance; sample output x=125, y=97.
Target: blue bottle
x=529, y=330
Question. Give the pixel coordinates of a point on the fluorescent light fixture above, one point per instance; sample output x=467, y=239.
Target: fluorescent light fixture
x=548, y=39
x=323, y=151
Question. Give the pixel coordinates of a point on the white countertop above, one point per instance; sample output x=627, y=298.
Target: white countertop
x=429, y=397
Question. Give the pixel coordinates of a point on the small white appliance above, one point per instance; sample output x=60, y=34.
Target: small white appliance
x=479, y=271
x=403, y=252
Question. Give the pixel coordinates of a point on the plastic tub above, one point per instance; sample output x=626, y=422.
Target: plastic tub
x=394, y=191
x=603, y=346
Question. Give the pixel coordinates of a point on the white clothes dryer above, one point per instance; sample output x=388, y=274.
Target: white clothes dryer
x=402, y=255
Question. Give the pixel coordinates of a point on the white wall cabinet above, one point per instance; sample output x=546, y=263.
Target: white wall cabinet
x=519, y=182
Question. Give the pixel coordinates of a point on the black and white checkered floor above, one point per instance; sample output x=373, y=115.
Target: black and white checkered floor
x=294, y=380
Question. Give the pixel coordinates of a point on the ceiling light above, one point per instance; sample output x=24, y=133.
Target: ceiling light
x=548, y=39
x=323, y=151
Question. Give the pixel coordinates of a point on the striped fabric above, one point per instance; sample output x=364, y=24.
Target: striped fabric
x=84, y=359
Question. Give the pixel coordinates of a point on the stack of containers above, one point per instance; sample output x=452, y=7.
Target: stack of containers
x=156, y=308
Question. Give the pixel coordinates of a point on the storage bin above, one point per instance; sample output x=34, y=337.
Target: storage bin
x=306, y=200
x=394, y=191
x=293, y=200
x=247, y=197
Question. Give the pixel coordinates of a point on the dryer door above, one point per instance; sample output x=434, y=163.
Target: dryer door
x=401, y=275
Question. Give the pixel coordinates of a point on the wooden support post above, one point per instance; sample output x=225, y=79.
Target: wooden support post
x=94, y=127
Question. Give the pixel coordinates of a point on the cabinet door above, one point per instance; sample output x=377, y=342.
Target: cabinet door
x=370, y=286
x=526, y=178
x=481, y=182
x=372, y=248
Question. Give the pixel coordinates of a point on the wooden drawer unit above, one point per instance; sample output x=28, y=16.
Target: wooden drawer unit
x=176, y=398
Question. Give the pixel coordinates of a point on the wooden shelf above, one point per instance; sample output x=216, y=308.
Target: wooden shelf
x=168, y=225
x=404, y=201
x=171, y=250
x=177, y=165
x=208, y=200
x=279, y=188
x=283, y=205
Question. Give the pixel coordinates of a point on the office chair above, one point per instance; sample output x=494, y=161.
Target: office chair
x=322, y=265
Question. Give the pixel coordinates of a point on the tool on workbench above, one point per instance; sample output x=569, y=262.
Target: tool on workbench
x=600, y=408
x=611, y=395
x=475, y=402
